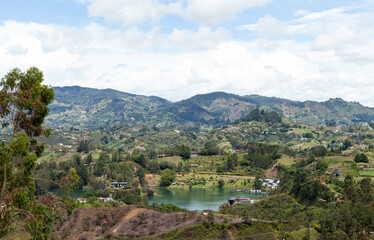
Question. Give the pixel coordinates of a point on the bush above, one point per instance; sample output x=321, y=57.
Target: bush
x=361, y=157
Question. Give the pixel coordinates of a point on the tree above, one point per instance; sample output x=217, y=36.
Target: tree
x=83, y=175
x=167, y=177
x=361, y=157
x=221, y=183
x=322, y=166
x=68, y=182
x=346, y=144
x=83, y=146
x=23, y=108
x=185, y=152
x=257, y=184
x=210, y=148
x=367, y=189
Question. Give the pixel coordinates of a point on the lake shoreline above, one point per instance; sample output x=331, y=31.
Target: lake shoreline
x=199, y=198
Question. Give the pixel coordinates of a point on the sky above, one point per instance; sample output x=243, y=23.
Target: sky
x=175, y=49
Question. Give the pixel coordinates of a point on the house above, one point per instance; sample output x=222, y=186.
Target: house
x=81, y=200
x=122, y=184
x=232, y=200
x=118, y=184
x=194, y=165
x=239, y=200
x=102, y=199
x=206, y=212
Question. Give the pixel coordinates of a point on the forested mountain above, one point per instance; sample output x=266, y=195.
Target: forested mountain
x=92, y=108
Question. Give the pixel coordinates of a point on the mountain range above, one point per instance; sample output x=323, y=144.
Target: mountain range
x=88, y=108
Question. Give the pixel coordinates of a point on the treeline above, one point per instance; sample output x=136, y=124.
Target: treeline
x=262, y=116
x=261, y=155
x=303, y=196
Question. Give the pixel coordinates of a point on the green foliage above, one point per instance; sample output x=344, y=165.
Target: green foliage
x=69, y=182
x=128, y=196
x=221, y=183
x=367, y=189
x=40, y=224
x=263, y=116
x=83, y=146
x=24, y=96
x=261, y=155
x=167, y=177
x=185, y=152
x=257, y=184
x=346, y=144
x=279, y=207
x=361, y=157
x=167, y=208
x=210, y=148
x=347, y=222
x=252, y=230
x=319, y=151
x=23, y=108
x=322, y=166
x=110, y=106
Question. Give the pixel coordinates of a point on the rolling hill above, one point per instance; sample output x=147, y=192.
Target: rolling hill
x=88, y=108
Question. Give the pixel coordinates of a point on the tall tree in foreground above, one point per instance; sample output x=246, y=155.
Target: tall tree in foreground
x=23, y=108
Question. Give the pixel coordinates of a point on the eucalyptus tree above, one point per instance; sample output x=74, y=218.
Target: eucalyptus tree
x=23, y=108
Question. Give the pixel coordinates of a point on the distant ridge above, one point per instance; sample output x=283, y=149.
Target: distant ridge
x=89, y=108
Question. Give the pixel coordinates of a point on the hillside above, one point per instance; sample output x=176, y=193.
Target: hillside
x=92, y=108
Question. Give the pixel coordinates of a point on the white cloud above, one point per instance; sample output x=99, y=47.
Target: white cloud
x=17, y=50
x=178, y=40
x=268, y=27
x=132, y=13
x=334, y=60
x=211, y=12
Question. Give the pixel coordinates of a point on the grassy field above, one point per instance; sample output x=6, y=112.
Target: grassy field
x=299, y=235
x=367, y=173
x=172, y=159
x=286, y=160
x=211, y=180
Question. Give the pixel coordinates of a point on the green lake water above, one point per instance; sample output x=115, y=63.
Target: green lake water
x=198, y=199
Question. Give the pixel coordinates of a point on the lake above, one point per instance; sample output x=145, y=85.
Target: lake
x=198, y=198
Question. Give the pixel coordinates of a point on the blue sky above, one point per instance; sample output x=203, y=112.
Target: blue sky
x=301, y=50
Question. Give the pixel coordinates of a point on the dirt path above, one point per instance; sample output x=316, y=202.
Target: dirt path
x=134, y=212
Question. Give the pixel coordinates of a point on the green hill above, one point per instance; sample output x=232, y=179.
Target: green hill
x=92, y=108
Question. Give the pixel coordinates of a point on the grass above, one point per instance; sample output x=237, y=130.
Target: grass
x=310, y=144
x=369, y=173
x=18, y=232
x=238, y=182
x=286, y=160
x=172, y=159
x=300, y=234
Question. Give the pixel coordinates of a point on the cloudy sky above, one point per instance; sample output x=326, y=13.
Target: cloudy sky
x=301, y=50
